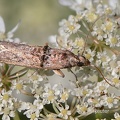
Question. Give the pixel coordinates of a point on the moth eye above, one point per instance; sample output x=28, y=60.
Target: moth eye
x=80, y=64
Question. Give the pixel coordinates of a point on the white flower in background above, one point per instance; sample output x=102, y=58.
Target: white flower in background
x=101, y=88
x=103, y=58
x=33, y=110
x=52, y=40
x=98, y=32
x=109, y=100
x=116, y=69
x=34, y=79
x=80, y=5
x=117, y=116
x=67, y=27
x=18, y=86
x=77, y=5
x=64, y=95
x=7, y=111
x=51, y=117
x=79, y=43
x=108, y=26
x=113, y=40
x=84, y=108
x=6, y=96
x=94, y=101
x=90, y=16
x=7, y=106
x=115, y=5
x=116, y=82
x=89, y=54
x=50, y=93
x=7, y=36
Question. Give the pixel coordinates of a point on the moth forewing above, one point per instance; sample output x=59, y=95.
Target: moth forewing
x=43, y=57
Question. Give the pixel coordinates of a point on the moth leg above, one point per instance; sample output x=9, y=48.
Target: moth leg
x=59, y=72
x=74, y=74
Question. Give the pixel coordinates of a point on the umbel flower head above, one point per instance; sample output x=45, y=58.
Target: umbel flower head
x=93, y=32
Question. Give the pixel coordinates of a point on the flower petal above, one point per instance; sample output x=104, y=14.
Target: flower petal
x=2, y=25
x=14, y=29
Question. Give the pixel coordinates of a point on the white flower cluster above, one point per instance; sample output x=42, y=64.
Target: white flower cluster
x=94, y=32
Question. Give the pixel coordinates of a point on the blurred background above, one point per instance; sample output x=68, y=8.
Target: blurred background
x=39, y=18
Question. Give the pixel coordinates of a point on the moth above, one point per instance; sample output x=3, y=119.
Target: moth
x=41, y=57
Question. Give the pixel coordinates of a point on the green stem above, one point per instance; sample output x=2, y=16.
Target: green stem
x=16, y=116
x=98, y=116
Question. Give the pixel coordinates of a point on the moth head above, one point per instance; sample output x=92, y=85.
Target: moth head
x=83, y=61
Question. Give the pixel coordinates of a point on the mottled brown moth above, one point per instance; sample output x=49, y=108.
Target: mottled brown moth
x=42, y=57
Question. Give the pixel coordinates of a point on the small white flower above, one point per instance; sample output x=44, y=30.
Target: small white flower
x=115, y=69
x=113, y=40
x=94, y=101
x=84, y=109
x=77, y=5
x=51, y=117
x=89, y=54
x=67, y=27
x=82, y=92
x=7, y=110
x=23, y=106
x=50, y=94
x=103, y=58
x=64, y=112
x=64, y=95
x=116, y=82
x=117, y=116
x=6, y=36
x=101, y=88
x=90, y=16
x=18, y=85
x=52, y=40
x=33, y=110
x=79, y=43
x=5, y=97
x=109, y=100
x=108, y=26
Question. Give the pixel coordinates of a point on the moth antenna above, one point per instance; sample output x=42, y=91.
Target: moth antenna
x=101, y=74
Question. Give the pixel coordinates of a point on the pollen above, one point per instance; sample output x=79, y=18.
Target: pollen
x=110, y=100
x=103, y=59
x=6, y=111
x=33, y=116
x=80, y=42
x=71, y=27
x=116, y=80
x=64, y=96
x=84, y=109
x=64, y=112
x=85, y=92
x=113, y=40
x=6, y=97
x=19, y=86
x=109, y=26
x=102, y=88
x=91, y=17
x=88, y=56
